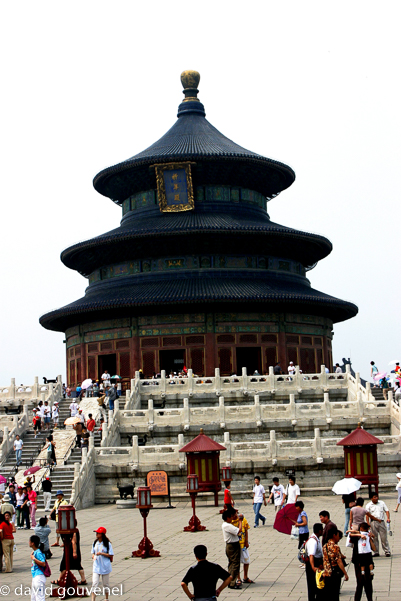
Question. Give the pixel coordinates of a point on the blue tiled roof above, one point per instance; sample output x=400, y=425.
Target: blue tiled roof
x=194, y=288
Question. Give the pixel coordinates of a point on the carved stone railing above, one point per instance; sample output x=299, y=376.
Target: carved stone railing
x=84, y=483
x=21, y=425
x=255, y=414
x=315, y=450
x=14, y=395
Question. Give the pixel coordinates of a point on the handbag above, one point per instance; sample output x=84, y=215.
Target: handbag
x=320, y=579
x=52, y=515
x=46, y=569
x=294, y=533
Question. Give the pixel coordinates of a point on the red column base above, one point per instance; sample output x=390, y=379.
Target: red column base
x=145, y=549
x=194, y=525
x=69, y=587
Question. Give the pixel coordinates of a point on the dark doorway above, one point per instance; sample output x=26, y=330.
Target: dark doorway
x=249, y=357
x=172, y=361
x=108, y=362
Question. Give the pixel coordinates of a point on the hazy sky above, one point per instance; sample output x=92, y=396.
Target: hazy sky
x=88, y=84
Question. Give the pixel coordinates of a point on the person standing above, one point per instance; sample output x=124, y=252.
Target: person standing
x=36, y=422
x=106, y=379
x=259, y=497
x=7, y=529
x=384, y=387
x=349, y=502
x=47, y=492
x=46, y=416
x=119, y=388
x=291, y=369
x=277, y=370
x=102, y=556
x=277, y=494
x=292, y=491
x=362, y=583
x=32, y=503
x=55, y=415
x=112, y=394
x=233, y=549
x=338, y=369
x=379, y=510
x=13, y=500
x=74, y=408
x=78, y=431
x=301, y=523
x=42, y=530
x=398, y=489
x=25, y=509
x=204, y=576
x=49, y=450
x=37, y=568
x=74, y=551
x=54, y=513
x=324, y=517
x=314, y=552
x=18, y=444
x=244, y=544
x=333, y=567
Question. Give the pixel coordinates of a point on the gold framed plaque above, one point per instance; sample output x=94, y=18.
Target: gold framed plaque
x=174, y=187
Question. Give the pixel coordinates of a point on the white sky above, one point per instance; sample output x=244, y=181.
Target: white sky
x=87, y=84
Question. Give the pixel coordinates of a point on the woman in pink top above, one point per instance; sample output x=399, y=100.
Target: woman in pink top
x=33, y=499
x=358, y=514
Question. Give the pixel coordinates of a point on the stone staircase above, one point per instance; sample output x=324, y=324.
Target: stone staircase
x=378, y=393
x=30, y=450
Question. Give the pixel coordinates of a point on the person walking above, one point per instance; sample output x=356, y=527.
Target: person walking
x=73, y=408
x=301, y=523
x=47, y=492
x=358, y=515
x=333, y=567
x=90, y=424
x=18, y=445
x=398, y=489
x=233, y=549
x=204, y=577
x=102, y=556
x=32, y=504
x=7, y=529
x=277, y=494
x=78, y=431
x=379, y=510
x=228, y=498
x=54, y=513
x=42, y=530
x=259, y=497
x=37, y=570
x=314, y=552
x=112, y=394
x=292, y=491
x=324, y=517
x=373, y=372
x=49, y=444
x=384, y=387
x=362, y=582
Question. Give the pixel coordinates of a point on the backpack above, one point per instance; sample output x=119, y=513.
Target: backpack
x=303, y=556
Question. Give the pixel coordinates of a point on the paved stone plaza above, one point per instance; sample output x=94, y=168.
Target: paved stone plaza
x=274, y=565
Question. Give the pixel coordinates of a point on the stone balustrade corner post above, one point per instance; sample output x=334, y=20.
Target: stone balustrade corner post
x=273, y=447
x=258, y=414
x=222, y=412
x=227, y=444
x=151, y=414
x=186, y=414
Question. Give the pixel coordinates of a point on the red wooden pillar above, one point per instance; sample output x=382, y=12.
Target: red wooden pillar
x=210, y=354
x=282, y=351
x=135, y=355
x=326, y=357
x=84, y=367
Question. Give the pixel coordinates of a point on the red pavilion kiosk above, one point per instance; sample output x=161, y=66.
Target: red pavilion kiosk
x=203, y=459
x=360, y=457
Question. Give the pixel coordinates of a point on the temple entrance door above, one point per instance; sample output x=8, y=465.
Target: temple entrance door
x=171, y=361
x=108, y=362
x=249, y=357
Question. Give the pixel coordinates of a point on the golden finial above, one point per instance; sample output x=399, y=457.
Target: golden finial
x=190, y=81
x=201, y=431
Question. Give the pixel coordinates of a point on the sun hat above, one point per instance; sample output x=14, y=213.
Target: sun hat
x=101, y=530
x=399, y=475
x=59, y=492
x=6, y=498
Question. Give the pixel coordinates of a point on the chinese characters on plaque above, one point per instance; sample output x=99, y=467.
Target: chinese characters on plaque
x=174, y=187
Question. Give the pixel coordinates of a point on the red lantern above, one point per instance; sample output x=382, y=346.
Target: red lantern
x=144, y=504
x=226, y=474
x=193, y=489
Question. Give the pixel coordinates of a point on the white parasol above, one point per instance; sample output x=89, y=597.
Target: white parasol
x=346, y=486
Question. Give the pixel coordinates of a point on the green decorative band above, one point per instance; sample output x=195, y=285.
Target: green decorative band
x=195, y=262
x=162, y=319
x=169, y=331
x=107, y=336
x=149, y=198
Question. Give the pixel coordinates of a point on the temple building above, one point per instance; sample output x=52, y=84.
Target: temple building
x=197, y=274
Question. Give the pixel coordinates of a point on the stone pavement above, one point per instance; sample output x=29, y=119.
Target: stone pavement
x=274, y=565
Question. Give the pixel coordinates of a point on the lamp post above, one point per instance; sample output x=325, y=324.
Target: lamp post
x=144, y=504
x=68, y=584
x=194, y=524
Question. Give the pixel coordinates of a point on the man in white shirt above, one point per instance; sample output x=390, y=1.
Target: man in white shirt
x=74, y=409
x=277, y=494
x=314, y=552
x=258, y=498
x=338, y=369
x=379, y=510
x=233, y=548
x=18, y=444
x=292, y=491
x=291, y=368
x=106, y=378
